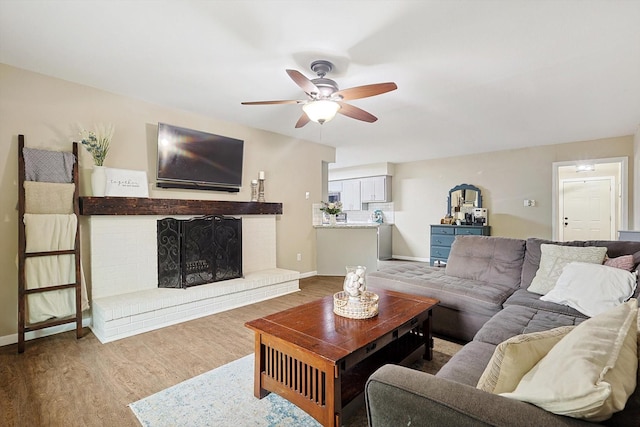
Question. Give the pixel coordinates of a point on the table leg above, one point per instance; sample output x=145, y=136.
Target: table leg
x=334, y=404
x=259, y=367
x=428, y=338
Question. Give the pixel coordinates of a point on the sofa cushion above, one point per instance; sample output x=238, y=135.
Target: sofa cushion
x=592, y=288
x=591, y=372
x=516, y=320
x=532, y=258
x=467, y=365
x=513, y=358
x=459, y=294
x=554, y=258
x=623, y=262
x=496, y=260
x=525, y=298
x=616, y=248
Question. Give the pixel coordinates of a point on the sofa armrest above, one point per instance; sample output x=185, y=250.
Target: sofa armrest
x=396, y=395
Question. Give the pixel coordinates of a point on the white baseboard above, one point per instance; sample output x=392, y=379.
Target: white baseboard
x=13, y=338
x=308, y=274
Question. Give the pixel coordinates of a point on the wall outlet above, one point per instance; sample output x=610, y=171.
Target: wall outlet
x=306, y=195
x=529, y=203
x=299, y=257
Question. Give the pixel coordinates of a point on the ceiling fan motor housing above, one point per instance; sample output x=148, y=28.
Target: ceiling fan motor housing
x=326, y=86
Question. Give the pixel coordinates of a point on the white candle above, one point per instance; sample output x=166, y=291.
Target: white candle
x=261, y=175
x=254, y=181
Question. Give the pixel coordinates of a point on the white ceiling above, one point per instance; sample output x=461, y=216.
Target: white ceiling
x=472, y=76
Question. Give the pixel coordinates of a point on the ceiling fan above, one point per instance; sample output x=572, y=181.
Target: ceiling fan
x=325, y=99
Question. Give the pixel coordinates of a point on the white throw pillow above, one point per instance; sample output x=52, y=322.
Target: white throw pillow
x=513, y=358
x=591, y=372
x=591, y=288
x=553, y=258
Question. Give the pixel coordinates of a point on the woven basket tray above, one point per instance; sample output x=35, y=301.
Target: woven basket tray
x=363, y=307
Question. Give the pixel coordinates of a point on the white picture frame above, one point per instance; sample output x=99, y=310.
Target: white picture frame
x=126, y=183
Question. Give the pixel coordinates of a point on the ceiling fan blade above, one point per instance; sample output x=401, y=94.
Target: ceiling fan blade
x=366, y=91
x=307, y=85
x=356, y=113
x=303, y=120
x=272, y=102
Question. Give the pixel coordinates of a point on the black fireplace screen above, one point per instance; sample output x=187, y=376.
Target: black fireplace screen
x=198, y=250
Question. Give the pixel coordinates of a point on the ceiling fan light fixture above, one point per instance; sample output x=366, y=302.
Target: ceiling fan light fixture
x=321, y=111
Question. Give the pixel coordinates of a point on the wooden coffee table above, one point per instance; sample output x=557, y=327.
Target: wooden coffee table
x=321, y=361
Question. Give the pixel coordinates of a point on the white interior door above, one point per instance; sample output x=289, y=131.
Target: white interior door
x=587, y=209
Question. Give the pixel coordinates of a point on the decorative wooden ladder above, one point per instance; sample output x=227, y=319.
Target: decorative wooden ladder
x=23, y=290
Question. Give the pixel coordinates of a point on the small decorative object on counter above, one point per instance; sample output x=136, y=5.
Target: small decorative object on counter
x=254, y=190
x=261, y=186
x=355, y=301
x=377, y=216
x=331, y=209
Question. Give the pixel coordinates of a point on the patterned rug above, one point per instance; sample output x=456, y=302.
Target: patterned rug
x=224, y=397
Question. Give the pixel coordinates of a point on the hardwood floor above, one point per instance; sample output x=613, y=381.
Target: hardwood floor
x=61, y=381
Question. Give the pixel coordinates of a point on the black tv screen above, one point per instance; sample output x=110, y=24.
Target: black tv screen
x=189, y=158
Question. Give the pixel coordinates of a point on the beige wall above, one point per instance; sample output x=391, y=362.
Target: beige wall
x=46, y=111
x=506, y=179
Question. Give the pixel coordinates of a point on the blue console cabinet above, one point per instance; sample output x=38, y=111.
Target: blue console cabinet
x=442, y=237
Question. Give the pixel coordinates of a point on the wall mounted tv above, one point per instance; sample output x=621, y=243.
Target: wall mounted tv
x=193, y=159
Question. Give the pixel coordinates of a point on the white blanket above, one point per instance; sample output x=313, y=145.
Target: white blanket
x=50, y=232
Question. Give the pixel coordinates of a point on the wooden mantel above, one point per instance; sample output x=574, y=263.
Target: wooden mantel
x=147, y=206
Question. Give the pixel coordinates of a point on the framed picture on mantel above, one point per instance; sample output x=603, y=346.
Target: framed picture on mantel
x=126, y=183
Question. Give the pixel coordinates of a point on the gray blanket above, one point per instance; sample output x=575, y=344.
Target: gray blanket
x=48, y=166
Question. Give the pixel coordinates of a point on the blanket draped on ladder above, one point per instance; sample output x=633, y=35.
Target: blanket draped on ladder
x=50, y=232
x=50, y=225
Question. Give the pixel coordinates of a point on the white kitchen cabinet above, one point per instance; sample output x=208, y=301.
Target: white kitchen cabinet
x=375, y=189
x=350, y=196
x=335, y=186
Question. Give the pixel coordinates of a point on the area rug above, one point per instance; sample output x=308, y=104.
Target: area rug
x=224, y=397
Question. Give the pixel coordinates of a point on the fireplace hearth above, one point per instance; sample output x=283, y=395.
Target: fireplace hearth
x=199, y=250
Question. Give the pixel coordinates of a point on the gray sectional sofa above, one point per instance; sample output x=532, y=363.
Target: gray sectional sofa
x=483, y=300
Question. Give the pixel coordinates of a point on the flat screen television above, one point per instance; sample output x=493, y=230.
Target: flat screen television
x=193, y=159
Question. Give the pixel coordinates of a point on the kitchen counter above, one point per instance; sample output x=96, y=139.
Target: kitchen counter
x=352, y=225
x=346, y=244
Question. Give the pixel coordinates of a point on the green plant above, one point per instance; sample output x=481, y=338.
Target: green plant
x=97, y=142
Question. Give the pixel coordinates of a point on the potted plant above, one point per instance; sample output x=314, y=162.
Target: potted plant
x=97, y=142
x=331, y=209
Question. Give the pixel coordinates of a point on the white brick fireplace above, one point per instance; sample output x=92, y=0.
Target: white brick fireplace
x=125, y=296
